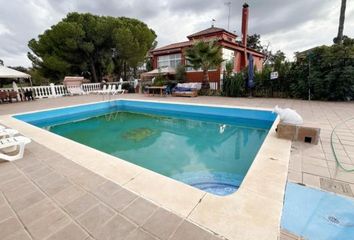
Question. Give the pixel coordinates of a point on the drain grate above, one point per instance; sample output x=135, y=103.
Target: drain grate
x=333, y=220
x=336, y=187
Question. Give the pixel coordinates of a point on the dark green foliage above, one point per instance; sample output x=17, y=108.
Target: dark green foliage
x=97, y=44
x=234, y=85
x=254, y=42
x=160, y=80
x=229, y=67
x=1, y=62
x=327, y=73
x=129, y=87
x=180, y=73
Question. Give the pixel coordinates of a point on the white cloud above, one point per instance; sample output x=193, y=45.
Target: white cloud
x=289, y=25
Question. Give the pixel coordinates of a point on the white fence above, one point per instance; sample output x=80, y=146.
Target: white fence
x=213, y=85
x=53, y=91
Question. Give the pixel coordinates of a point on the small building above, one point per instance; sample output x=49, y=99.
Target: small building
x=174, y=54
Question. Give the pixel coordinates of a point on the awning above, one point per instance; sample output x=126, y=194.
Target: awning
x=156, y=72
x=6, y=72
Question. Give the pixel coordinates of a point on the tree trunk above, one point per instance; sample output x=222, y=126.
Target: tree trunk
x=93, y=72
x=205, y=82
x=125, y=71
x=341, y=22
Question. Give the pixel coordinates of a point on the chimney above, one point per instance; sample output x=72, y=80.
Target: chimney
x=244, y=29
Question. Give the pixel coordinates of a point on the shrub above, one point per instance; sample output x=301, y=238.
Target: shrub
x=234, y=85
x=159, y=80
x=180, y=73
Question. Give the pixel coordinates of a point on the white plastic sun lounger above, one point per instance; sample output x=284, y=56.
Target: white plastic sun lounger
x=12, y=144
x=7, y=132
x=119, y=90
x=104, y=89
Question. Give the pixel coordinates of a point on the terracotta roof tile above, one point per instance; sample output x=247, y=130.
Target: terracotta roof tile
x=208, y=31
x=174, y=45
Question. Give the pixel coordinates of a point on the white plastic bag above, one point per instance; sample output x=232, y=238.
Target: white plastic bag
x=288, y=115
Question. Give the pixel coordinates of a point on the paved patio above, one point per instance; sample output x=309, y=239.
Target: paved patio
x=45, y=196
x=65, y=198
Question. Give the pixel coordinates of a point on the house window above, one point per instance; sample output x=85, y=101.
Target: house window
x=172, y=60
x=191, y=69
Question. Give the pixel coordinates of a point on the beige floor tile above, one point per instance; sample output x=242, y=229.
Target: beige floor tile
x=120, y=200
x=316, y=170
x=139, y=211
x=315, y=161
x=19, y=192
x=106, y=190
x=19, y=235
x=36, y=211
x=190, y=231
x=9, y=226
x=47, y=225
x=5, y=212
x=53, y=183
x=68, y=195
x=27, y=200
x=89, y=180
x=81, y=205
x=12, y=183
x=141, y=235
x=162, y=224
x=311, y=180
x=94, y=219
x=342, y=176
x=116, y=228
x=69, y=232
x=295, y=176
x=40, y=172
x=2, y=199
x=8, y=176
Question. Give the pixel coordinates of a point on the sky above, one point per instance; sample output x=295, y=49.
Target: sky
x=287, y=25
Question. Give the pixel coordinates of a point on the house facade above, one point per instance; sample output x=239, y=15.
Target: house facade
x=174, y=54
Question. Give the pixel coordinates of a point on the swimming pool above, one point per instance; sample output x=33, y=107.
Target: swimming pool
x=210, y=148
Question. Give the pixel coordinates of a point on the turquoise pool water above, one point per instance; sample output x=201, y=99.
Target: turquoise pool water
x=210, y=153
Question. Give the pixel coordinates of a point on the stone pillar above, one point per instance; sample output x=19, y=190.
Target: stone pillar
x=52, y=88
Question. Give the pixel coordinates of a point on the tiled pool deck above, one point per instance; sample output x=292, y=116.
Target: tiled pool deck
x=45, y=195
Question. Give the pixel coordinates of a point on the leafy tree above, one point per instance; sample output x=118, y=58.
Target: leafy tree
x=132, y=42
x=1, y=62
x=229, y=67
x=85, y=42
x=254, y=42
x=205, y=55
